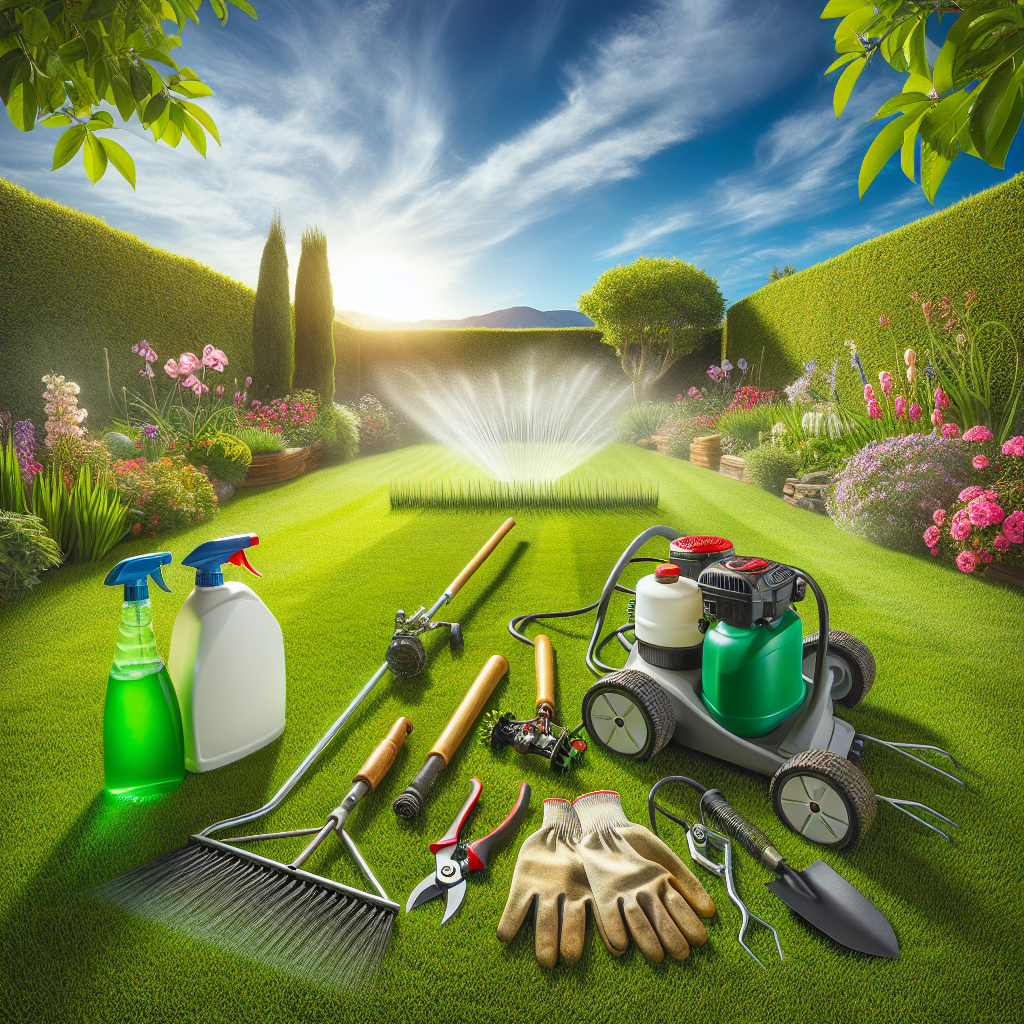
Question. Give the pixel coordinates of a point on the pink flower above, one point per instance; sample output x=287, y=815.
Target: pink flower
x=869, y=393
x=883, y=321
x=939, y=517
x=985, y=513
x=172, y=369
x=931, y=536
x=694, y=393
x=220, y=390
x=214, y=358
x=926, y=308
x=970, y=493
x=1013, y=527
x=874, y=409
x=979, y=462
x=914, y=412
x=941, y=399
x=978, y=433
x=967, y=561
x=950, y=430
x=248, y=382
x=960, y=528
x=901, y=406
x=937, y=417
x=147, y=372
x=934, y=551
x=1015, y=446
x=986, y=556
x=885, y=379
x=1001, y=543
x=187, y=362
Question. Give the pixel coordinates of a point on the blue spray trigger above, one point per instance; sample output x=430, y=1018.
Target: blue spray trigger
x=210, y=556
x=133, y=574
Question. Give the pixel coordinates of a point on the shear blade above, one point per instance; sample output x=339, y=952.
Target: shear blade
x=426, y=891
x=456, y=894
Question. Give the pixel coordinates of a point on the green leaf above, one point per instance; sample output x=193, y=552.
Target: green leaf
x=188, y=87
x=194, y=132
x=839, y=62
x=915, y=52
x=101, y=119
x=157, y=127
x=175, y=122
x=853, y=23
x=73, y=50
x=840, y=8
x=68, y=145
x=140, y=82
x=992, y=102
x=94, y=157
x=56, y=121
x=942, y=73
x=154, y=108
x=847, y=80
x=220, y=10
x=251, y=11
x=123, y=98
x=917, y=83
x=908, y=148
x=34, y=26
x=933, y=170
x=886, y=142
x=152, y=53
x=943, y=121
x=203, y=117
x=903, y=100
x=10, y=63
x=120, y=158
x=21, y=106
x=96, y=10
x=997, y=154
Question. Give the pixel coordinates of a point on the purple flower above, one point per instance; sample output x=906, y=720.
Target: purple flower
x=742, y=364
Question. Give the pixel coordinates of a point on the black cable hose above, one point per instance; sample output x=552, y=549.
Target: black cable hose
x=617, y=633
x=653, y=806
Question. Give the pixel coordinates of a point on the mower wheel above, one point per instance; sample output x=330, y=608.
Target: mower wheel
x=822, y=797
x=629, y=714
x=849, y=663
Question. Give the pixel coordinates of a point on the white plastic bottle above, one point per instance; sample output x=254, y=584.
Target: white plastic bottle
x=666, y=620
x=226, y=661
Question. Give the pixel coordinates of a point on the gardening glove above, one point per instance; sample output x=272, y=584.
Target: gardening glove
x=638, y=883
x=550, y=877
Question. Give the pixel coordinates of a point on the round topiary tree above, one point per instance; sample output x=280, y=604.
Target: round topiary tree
x=272, y=316
x=653, y=311
x=314, y=319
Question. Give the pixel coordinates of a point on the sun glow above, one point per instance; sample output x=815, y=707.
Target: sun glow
x=383, y=285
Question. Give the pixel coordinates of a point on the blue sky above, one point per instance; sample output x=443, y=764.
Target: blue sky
x=468, y=156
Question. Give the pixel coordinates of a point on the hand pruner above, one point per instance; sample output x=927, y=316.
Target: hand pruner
x=455, y=861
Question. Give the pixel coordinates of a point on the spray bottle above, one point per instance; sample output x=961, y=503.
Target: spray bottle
x=226, y=661
x=142, y=741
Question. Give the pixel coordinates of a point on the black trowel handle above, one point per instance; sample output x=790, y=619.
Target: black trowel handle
x=723, y=815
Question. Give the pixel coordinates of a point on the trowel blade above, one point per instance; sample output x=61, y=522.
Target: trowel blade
x=838, y=909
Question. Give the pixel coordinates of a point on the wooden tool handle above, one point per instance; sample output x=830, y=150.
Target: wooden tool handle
x=544, y=662
x=472, y=704
x=376, y=766
x=479, y=558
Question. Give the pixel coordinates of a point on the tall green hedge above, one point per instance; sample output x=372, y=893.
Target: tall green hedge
x=976, y=244
x=365, y=355
x=70, y=286
x=314, y=318
x=272, y=316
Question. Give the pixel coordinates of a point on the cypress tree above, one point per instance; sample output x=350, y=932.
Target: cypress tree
x=314, y=318
x=272, y=317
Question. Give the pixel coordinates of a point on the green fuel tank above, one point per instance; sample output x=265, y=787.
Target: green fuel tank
x=752, y=678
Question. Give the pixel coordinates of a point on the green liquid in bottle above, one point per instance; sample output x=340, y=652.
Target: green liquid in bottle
x=143, y=750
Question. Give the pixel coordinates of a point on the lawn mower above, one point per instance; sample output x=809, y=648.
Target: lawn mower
x=720, y=664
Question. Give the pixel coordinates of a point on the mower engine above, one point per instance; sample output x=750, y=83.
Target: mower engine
x=745, y=592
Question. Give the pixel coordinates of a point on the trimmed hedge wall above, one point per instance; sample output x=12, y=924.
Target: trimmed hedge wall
x=71, y=286
x=363, y=354
x=977, y=243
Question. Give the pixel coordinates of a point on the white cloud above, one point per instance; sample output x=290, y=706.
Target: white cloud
x=351, y=123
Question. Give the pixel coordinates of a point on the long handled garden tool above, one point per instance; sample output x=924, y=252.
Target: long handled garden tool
x=410, y=802
x=277, y=913
x=817, y=893
x=541, y=735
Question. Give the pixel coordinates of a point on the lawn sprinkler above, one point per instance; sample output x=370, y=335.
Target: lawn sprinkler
x=719, y=663
x=560, y=746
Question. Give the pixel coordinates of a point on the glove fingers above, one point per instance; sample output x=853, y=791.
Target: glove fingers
x=545, y=928
x=516, y=909
x=649, y=846
x=695, y=894
x=644, y=935
x=599, y=921
x=665, y=926
x=684, y=917
x=613, y=927
x=574, y=929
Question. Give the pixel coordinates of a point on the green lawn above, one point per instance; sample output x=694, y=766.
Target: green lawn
x=337, y=563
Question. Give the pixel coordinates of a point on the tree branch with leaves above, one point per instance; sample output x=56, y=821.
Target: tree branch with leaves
x=60, y=61
x=970, y=101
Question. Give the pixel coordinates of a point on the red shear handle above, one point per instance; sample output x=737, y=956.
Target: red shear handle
x=479, y=851
x=451, y=837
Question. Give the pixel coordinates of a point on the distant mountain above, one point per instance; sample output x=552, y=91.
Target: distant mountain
x=517, y=317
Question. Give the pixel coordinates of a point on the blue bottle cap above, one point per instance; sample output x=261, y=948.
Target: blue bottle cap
x=133, y=573
x=210, y=556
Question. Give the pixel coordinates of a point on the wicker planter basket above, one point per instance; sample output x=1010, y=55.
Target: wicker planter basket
x=734, y=467
x=273, y=467
x=707, y=451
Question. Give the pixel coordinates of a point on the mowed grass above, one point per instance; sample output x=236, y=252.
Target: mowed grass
x=337, y=562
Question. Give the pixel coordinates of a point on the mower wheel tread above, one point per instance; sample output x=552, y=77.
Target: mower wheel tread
x=842, y=778
x=858, y=659
x=649, y=699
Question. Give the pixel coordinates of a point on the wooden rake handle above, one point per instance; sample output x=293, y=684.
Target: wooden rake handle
x=472, y=704
x=479, y=558
x=377, y=765
x=544, y=664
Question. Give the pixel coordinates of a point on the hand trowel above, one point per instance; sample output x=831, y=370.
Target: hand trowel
x=818, y=894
